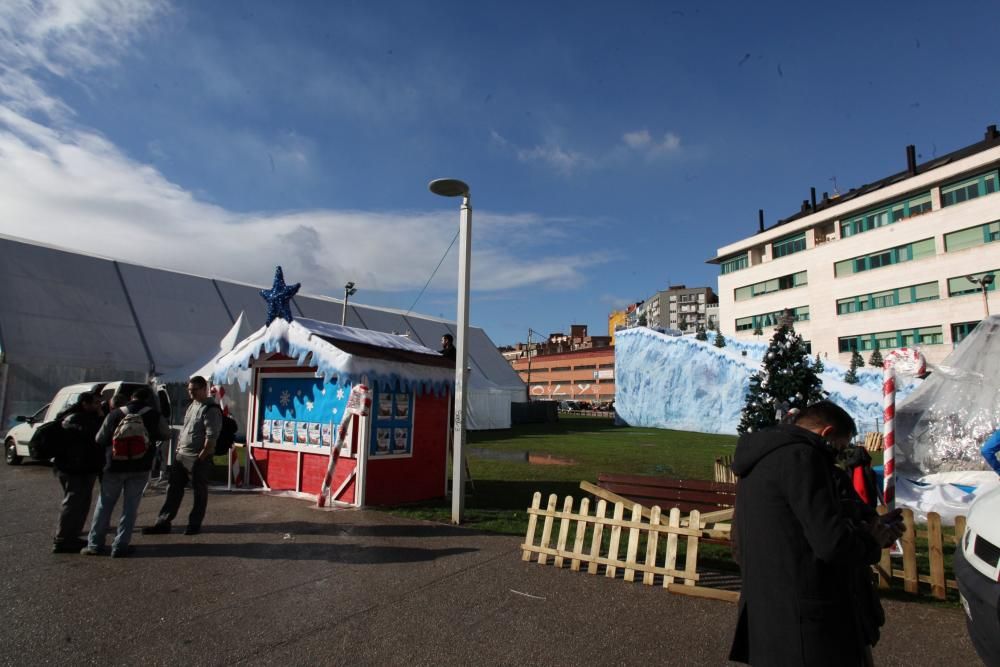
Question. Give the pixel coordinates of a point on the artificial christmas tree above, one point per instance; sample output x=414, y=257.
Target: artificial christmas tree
x=786, y=375
x=818, y=366
x=700, y=333
x=875, y=361
x=720, y=340
x=851, y=376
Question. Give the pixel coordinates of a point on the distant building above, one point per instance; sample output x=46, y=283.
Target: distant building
x=616, y=320
x=886, y=265
x=557, y=343
x=580, y=375
x=680, y=307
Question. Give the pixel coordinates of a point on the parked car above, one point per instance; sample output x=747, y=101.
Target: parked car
x=17, y=442
x=977, y=569
x=569, y=406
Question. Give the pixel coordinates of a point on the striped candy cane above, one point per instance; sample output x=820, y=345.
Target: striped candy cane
x=358, y=403
x=904, y=361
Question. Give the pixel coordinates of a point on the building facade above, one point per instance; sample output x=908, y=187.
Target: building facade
x=616, y=320
x=583, y=375
x=886, y=265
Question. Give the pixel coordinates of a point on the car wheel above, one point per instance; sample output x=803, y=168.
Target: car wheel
x=10, y=453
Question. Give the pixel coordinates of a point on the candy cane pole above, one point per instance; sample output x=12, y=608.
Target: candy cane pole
x=357, y=404
x=903, y=361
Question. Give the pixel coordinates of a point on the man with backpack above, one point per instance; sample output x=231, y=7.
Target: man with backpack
x=195, y=448
x=77, y=460
x=127, y=436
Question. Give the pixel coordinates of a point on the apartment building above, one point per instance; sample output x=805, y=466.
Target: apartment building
x=582, y=375
x=616, y=320
x=887, y=264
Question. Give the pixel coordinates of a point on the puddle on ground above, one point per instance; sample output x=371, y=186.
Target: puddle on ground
x=520, y=457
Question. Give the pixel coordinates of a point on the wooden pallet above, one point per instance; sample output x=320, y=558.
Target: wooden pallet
x=724, y=470
x=595, y=555
x=910, y=574
x=873, y=442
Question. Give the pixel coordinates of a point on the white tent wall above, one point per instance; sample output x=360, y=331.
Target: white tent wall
x=67, y=317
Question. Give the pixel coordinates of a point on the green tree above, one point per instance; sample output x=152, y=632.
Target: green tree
x=642, y=320
x=700, y=333
x=720, y=340
x=851, y=376
x=785, y=375
x=818, y=366
x=875, y=361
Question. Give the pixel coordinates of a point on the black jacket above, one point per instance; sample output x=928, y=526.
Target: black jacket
x=156, y=429
x=79, y=454
x=798, y=552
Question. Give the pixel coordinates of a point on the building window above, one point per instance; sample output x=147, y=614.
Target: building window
x=764, y=320
x=962, y=285
x=876, y=260
x=735, y=264
x=559, y=368
x=970, y=188
x=584, y=368
x=888, y=298
x=962, y=329
x=773, y=285
x=890, y=340
x=972, y=237
x=886, y=215
x=789, y=245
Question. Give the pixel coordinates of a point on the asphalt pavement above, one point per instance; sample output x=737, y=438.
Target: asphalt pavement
x=271, y=580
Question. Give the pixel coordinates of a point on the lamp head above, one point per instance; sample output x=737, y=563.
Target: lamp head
x=987, y=279
x=449, y=187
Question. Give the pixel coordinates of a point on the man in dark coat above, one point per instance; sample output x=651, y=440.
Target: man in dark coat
x=77, y=463
x=798, y=549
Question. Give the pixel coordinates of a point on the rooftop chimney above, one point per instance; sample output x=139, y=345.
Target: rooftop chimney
x=991, y=133
x=911, y=160
x=805, y=205
x=760, y=218
x=826, y=197
x=812, y=196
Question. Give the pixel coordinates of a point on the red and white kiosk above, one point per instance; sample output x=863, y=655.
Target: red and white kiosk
x=301, y=374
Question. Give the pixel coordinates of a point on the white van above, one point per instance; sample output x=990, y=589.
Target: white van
x=17, y=442
x=977, y=570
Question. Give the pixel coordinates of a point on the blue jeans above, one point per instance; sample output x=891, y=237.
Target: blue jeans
x=114, y=484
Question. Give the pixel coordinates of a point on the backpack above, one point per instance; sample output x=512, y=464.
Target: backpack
x=49, y=440
x=130, y=441
x=227, y=435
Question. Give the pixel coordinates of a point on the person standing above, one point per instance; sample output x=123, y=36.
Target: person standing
x=129, y=452
x=447, y=347
x=991, y=451
x=797, y=548
x=195, y=448
x=77, y=464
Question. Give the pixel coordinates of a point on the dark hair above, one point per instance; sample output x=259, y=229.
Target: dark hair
x=198, y=382
x=86, y=397
x=117, y=399
x=826, y=413
x=142, y=394
x=449, y=338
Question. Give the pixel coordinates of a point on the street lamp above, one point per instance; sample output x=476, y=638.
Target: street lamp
x=349, y=291
x=984, y=282
x=452, y=187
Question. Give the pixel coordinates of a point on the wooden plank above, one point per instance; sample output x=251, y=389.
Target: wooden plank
x=704, y=592
x=709, y=498
x=936, y=555
x=564, y=529
x=621, y=523
x=547, y=528
x=884, y=567
x=691, y=555
x=612, y=497
x=909, y=542
x=959, y=530
x=633, y=543
x=652, y=542
x=616, y=536
x=925, y=579
x=581, y=534
x=596, y=539
x=641, y=567
x=666, y=482
x=529, y=538
x=671, y=562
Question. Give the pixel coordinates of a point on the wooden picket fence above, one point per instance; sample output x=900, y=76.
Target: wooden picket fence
x=909, y=574
x=594, y=555
x=724, y=470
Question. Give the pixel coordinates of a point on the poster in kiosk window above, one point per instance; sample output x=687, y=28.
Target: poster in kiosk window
x=299, y=409
x=393, y=427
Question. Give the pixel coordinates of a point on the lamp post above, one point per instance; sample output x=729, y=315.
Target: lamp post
x=349, y=291
x=984, y=282
x=451, y=187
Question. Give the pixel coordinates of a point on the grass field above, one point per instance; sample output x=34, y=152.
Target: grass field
x=509, y=466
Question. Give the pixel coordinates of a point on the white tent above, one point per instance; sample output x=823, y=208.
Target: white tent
x=67, y=317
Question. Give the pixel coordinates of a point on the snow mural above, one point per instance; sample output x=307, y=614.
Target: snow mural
x=681, y=383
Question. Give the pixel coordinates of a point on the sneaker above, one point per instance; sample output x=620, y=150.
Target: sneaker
x=90, y=551
x=192, y=530
x=156, y=529
x=123, y=552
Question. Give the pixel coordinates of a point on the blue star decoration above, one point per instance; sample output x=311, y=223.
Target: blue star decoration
x=278, y=297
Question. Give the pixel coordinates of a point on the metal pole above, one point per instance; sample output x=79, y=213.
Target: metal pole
x=986, y=303
x=343, y=314
x=529, y=364
x=462, y=352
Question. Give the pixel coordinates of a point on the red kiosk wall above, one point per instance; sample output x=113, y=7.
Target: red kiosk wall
x=417, y=477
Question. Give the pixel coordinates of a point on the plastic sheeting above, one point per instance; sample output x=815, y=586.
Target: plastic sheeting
x=942, y=425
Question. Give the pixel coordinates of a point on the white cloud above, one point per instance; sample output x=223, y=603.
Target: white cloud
x=642, y=142
x=566, y=161
x=74, y=189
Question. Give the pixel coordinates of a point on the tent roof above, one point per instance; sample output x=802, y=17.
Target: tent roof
x=73, y=309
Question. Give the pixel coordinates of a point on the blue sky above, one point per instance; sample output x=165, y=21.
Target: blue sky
x=611, y=148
